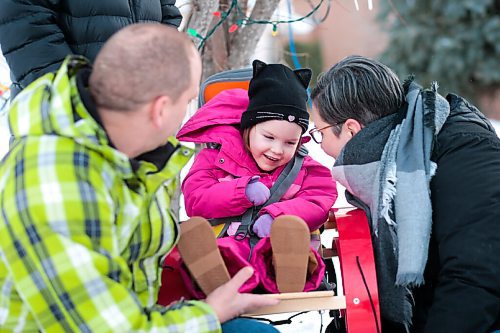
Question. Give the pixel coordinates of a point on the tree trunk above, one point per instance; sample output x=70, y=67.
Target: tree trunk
x=245, y=39
x=224, y=50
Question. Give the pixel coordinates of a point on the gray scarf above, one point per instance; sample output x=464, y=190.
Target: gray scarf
x=386, y=169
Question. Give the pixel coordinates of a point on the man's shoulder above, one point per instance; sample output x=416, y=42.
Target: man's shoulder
x=465, y=141
x=45, y=151
x=457, y=133
x=464, y=125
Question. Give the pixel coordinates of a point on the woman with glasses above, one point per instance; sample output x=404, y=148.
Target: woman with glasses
x=426, y=170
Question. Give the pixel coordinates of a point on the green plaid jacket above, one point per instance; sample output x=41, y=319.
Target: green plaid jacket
x=82, y=233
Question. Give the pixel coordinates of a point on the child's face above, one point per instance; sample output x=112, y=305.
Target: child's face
x=273, y=143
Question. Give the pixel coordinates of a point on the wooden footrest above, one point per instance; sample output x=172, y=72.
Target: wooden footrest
x=305, y=301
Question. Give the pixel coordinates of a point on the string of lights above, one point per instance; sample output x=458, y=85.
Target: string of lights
x=327, y=11
x=243, y=19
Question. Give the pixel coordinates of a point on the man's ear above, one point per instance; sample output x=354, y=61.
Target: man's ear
x=158, y=110
x=352, y=126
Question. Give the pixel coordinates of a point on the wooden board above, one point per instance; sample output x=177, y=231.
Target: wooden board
x=305, y=301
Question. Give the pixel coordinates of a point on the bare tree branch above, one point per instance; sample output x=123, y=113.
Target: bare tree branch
x=202, y=16
x=216, y=50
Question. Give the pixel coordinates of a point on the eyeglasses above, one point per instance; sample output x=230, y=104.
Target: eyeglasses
x=317, y=134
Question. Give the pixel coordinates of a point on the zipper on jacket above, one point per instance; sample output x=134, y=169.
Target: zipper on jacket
x=152, y=200
x=132, y=10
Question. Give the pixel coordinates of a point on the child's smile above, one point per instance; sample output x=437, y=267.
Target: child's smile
x=273, y=143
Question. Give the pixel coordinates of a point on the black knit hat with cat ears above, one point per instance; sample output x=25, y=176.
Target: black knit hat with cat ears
x=277, y=92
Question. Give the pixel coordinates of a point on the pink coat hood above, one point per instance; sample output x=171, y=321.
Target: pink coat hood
x=218, y=120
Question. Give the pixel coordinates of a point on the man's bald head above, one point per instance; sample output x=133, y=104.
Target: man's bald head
x=139, y=63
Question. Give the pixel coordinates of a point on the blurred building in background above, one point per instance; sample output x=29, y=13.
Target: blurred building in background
x=345, y=31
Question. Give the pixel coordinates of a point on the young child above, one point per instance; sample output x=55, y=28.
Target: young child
x=251, y=137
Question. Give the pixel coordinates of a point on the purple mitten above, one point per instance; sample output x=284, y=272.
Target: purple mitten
x=257, y=192
x=262, y=226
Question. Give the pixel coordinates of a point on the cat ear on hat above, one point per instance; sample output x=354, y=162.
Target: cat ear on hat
x=258, y=66
x=304, y=75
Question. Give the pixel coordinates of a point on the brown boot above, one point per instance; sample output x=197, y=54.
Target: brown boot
x=198, y=249
x=290, y=244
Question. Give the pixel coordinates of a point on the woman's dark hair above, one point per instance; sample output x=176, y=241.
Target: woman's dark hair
x=358, y=88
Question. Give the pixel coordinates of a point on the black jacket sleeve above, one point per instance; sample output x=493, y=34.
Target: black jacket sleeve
x=31, y=41
x=466, y=201
x=170, y=13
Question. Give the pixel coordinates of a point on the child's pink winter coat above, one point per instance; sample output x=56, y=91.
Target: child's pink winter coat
x=215, y=184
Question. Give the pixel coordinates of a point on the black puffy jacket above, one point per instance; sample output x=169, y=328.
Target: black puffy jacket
x=462, y=277
x=462, y=289
x=36, y=36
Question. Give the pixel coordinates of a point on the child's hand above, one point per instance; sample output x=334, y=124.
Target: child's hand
x=257, y=192
x=262, y=227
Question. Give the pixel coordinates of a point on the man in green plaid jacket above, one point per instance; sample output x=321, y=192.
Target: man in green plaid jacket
x=85, y=193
